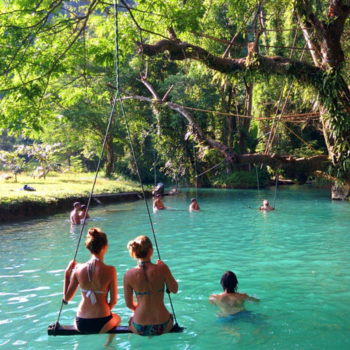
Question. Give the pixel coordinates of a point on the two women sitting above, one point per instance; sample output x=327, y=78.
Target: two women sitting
x=97, y=280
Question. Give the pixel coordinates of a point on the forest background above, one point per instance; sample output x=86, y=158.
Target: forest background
x=244, y=88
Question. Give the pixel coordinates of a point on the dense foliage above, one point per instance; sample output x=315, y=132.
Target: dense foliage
x=58, y=56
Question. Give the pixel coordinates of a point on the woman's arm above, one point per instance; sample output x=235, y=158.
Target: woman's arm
x=113, y=288
x=128, y=293
x=70, y=284
x=170, y=281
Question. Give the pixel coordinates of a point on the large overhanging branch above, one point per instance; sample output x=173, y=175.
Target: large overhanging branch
x=293, y=167
x=276, y=65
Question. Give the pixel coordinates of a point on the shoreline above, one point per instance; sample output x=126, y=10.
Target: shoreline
x=30, y=209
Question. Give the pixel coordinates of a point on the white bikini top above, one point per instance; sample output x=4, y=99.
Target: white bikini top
x=91, y=293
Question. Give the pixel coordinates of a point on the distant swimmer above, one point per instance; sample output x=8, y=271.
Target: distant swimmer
x=266, y=206
x=74, y=215
x=158, y=203
x=194, y=205
x=230, y=302
x=83, y=213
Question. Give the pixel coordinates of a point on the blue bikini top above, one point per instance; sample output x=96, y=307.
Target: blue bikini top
x=142, y=264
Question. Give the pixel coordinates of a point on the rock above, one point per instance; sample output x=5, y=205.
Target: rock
x=340, y=192
x=159, y=189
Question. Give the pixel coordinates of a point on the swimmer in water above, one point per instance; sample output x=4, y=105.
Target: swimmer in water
x=230, y=302
x=158, y=203
x=266, y=206
x=194, y=205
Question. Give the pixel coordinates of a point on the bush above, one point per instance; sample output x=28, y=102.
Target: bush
x=242, y=179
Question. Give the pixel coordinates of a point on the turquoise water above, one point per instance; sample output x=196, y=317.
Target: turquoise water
x=296, y=260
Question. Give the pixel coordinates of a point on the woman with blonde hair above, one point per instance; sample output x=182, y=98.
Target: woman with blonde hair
x=96, y=280
x=147, y=280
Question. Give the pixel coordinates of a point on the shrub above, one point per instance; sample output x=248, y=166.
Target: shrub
x=242, y=179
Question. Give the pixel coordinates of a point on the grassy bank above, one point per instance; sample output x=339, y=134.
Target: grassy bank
x=57, y=191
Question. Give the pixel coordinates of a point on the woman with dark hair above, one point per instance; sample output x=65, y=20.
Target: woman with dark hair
x=147, y=280
x=96, y=280
x=230, y=302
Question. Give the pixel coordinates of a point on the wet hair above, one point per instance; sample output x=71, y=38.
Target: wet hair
x=83, y=207
x=158, y=195
x=76, y=204
x=139, y=247
x=95, y=240
x=229, y=282
x=193, y=199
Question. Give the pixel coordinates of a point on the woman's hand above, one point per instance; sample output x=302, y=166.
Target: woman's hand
x=159, y=262
x=70, y=267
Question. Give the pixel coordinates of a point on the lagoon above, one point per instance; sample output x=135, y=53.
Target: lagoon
x=296, y=260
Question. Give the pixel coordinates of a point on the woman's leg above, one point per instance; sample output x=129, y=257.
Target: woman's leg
x=115, y=321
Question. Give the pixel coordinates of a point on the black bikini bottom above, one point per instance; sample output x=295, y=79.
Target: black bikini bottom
x=91, y=325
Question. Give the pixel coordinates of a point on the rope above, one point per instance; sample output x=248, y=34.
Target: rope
x=130, y=140
x=90, y=197
x=257, y=180
x=274, y=202
x=211, y=168
x=195, y=169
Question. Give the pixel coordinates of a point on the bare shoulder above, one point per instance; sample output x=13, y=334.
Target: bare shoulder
x=129, y=273
x=79, y=267
x=111, y=269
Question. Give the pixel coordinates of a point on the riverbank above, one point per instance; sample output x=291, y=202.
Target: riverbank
x=58, y=192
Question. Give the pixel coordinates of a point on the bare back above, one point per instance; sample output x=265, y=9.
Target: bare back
x=150, y=308
x=102, y=281
x=229, y=303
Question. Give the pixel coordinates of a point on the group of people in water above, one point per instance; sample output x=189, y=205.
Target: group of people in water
x=194, y=206
x=159, y=205
x=78, y=214
x=148, y=281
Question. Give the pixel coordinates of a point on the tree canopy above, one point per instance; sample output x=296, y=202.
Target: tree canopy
x=253, y=82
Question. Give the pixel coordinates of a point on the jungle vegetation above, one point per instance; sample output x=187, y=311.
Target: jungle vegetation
x=232, y=84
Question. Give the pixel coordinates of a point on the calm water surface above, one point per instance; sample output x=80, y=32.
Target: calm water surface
x=296, y=260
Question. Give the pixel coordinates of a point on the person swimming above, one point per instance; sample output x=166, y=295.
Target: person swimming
x=230, y=302
x=266, y=206
x=194, y=205
x=74, y=215
x=83, y=213
x=147, y=280
x=158, y=203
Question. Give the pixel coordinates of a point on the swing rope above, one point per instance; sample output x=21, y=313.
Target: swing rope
x=215, y=166
x=118, y=96
x=274, y=202
x=115, y=99
x=89, y=200
x=195, y=169
x=257, y=180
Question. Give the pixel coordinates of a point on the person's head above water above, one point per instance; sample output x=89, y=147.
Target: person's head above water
x=158, y=196
x=139, y=247
x=193, y=200
x=76, y=204
x=229, y=282
x=265, y=202
x=96, y=240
